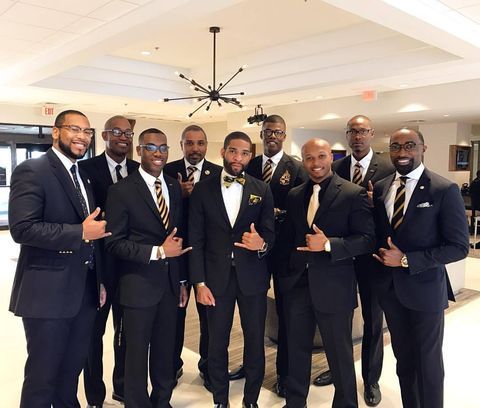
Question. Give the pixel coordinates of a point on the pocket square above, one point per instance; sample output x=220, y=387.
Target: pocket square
x=426, y=204
x=254, y=199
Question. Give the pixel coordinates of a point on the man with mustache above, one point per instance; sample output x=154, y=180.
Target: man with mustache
x=421, y=226
x=231, y=229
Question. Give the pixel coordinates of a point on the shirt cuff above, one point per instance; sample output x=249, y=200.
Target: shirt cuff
x=153, y=254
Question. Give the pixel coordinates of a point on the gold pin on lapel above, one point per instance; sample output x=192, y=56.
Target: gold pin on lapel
x=207, y=172
x=422, y=187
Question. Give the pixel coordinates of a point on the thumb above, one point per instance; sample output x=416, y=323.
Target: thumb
x=370, y=185
x=391, y=244
x=172, y=234
x=179, y=178
x=252, y=228
x=94, y=214
x=316, y=229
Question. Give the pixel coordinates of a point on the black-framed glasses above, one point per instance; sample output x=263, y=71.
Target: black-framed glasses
x=408, y=146
x=76, y=130
x=154, y=148
x=270, y=132
x=119, y=132
x=359, y=131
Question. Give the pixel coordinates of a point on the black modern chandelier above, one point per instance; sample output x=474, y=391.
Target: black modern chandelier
x=210, y=93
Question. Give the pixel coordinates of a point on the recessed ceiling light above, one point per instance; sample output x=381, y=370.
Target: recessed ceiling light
x=446, y=115
x=302, y=127
x=145, y=53
x=319, y=97
x=403, y=85
x=329, y=116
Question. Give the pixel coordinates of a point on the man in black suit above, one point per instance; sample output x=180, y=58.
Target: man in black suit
x=145, y=211
x=103, y=171
x=365, y=168
x=231, y=228
x=57, y=285
x=421, y=226
x=189, y=170
x=282, y=172
x=328, y=223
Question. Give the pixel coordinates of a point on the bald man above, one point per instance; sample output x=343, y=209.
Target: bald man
x=328, y=223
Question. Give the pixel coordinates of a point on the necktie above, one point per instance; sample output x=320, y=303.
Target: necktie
x=191, y=173
x=162, y=205
x=118, y=167
x=227, y=180
x=267, y=171
x=313, y=204
x=357, y=174
x=399, y=204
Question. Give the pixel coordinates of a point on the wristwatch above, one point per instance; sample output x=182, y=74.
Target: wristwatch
x=404, y=261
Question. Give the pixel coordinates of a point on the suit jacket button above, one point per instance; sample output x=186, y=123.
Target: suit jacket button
x=86, y=262
x=166, y=262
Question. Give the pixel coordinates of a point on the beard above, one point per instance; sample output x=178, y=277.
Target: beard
x=234, y=172
x=404, y=169
x=68, y=151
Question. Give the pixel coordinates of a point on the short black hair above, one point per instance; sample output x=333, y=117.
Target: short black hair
x=150, y=130
x=108, y=123
x=275, y=119
x=359, y=117
x=194, y=128
x=60, y=119
x=237, y=135
x=419, y=134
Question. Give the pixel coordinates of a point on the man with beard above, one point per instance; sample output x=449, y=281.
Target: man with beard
x=189, y=170
x=281, y=172
x=103, y=171
x=421, y=226
x=57, y=285
x=365, y=168
x=231, y=229
x=145, y=211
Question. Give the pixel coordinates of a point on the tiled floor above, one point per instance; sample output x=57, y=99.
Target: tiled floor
x=461, y=353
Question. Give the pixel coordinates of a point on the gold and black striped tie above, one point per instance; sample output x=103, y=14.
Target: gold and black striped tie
x=191, y=173
x=162, y=204
x=399, y=204
x=357, y=174
x=267, y=171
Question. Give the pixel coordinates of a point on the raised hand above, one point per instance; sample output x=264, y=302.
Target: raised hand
x=251, y=240
x=315, y=242
x=93, y=229
x=173, y=245
x=370, y=193
x=187, y=186
x=390, y=256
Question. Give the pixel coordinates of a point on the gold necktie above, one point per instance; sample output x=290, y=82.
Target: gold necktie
x=191, y=173
x=162, y=204
x=227, y=180
x=267, y=171
x=313, y=204
x=399, y=204
x=357, y=174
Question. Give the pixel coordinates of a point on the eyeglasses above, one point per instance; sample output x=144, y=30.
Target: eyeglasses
x=360, y=131
x=76, y=130
x=244, y=153
x=119, y=132
x=408, y=146
x=154, y=148
x=270, y=132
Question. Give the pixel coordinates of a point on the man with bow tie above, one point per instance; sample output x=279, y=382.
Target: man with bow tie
x=190, y=170
x=231, y=229
x=421, y=226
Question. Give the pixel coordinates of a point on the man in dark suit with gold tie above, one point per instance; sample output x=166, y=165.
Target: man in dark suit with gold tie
x=103, y=171
x=421, y=226
x=231, y=228
x=364, y=167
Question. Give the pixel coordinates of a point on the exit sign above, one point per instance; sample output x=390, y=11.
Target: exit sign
x=48, y=110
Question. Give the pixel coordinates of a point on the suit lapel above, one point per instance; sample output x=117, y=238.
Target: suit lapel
x=218, y=198
x=381, y=199
x=420, y=194
x=247, y=189
x=88, y=189
x=330, y=194
x=103, y=170
x=206, y=170
x=146, y=195
x=343, y=169
x=255, y=167
x=372, y=169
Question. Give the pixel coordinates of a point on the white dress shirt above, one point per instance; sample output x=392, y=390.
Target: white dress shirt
x=198, y=166
x=232, y=198
x=365, y=163
x=112, y=164
x=410, y=185
x=275, y=160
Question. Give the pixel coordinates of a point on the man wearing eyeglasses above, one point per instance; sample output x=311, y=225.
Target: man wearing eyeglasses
x=190, y=170
x=421, y=226
x=145, y=212
x=365, y=168
x=57, y=287
x=104, y=170
x=282, y=172
x=231, y=229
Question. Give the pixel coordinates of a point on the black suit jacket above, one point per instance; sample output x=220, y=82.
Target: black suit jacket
x=45, y=217
x=136, y=226
x=289, y=173
x=346, y=220
x=212, y=237
x=434, y=232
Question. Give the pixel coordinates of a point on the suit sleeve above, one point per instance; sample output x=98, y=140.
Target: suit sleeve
x=26, y=214
x=361, y=238
x=196, y=236
x=455, y=237
x=266, y=229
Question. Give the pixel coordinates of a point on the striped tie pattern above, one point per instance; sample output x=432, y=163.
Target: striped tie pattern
x=162, y=205
x=357, y=174
x=191, y=173
x=399, y=204
x=267, y=171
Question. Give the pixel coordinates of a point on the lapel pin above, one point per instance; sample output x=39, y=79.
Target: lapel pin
x=88, y=181
x=207, y=172
x=422, y=187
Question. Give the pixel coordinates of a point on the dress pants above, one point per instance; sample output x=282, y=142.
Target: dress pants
x=57, y=351
x=417, y=339
x=150, y=329
x=336, y=331
x=253, y=310
x=282, y=347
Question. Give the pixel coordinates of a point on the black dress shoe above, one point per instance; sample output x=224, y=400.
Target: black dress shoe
x=372, y=395
x=95, y=406
x=249, y=404
x=323, y=379
x=221, y=405
x=237, y=374
x=279, y=387
x=118, y=397
x=207, y=384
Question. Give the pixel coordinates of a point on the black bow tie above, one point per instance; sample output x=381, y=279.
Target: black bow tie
x=227, y=180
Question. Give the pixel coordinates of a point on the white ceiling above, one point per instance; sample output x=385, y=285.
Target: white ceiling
x=321, y=54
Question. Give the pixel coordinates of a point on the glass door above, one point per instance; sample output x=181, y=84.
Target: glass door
x=5, y=174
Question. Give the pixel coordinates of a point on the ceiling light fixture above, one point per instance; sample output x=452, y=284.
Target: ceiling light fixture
x=211, y=93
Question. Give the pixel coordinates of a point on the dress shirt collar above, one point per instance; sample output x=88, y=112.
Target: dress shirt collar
x=275, y=158
x=365, y=162
x=112, y=164
x=64, y=159
x=414, y=174
x=199, y=165
x=149, y=179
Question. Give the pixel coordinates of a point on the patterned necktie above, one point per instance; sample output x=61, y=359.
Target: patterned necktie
x=399, y=204
x=313, y=204
x=357, y=174
x=162, y=204
x=118, y=167
x=267, y=171
x=227, y=180
x=191, y=173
